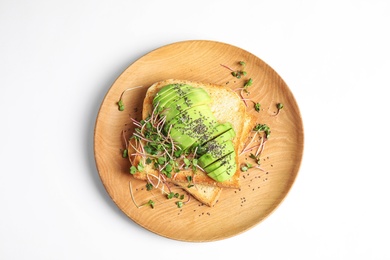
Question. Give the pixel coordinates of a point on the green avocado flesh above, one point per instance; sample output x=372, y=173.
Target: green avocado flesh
x=226, y=169
x=190, y=123
x=227, y=159
x=217, y=148
x=194, y=98
x=170, y=92
x=223, y=173
x=196, y=124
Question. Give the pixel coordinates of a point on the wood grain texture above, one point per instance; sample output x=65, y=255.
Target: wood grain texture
x=236, y=210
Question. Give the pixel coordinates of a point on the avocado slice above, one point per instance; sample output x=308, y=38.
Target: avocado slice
x=196, y=124
x=218, y=130
x=194, y=98
x=226, y=133
x=227, y=159
x=183, y=141
x=163, y=91
x=224, y=171
x=215, y=151
x=170, y=91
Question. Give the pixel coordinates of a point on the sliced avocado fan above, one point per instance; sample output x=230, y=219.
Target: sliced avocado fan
x=190, y=123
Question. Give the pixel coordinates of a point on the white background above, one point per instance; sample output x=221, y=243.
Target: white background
x=59, y=58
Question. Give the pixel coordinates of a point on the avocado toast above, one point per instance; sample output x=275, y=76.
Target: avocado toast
x=208, y=124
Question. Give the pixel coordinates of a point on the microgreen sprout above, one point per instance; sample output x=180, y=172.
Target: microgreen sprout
x=255, y=157
x=245, y=167
x=179, y=204
x=157, y=148
x=256, y=106
x=263, y=128
x=133, y=169
x=248, y=83
x=121, y=105
x=259, y=146
x=149, y=203
x=190, y=184
x=236, y=73
x=149, y=186
x=170, y=195
x=279, y=106
x=125, y=153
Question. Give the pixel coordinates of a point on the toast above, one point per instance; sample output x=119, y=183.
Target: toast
x=226, y=106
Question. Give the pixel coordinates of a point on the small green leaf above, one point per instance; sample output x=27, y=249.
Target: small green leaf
x=148, y=161
x=149, y=186
x=161, y=160
x=179, y=204
x=195, y=162
x=248, y=83
x=151, y=203
x=133, y=169
x=121, y=106
x=178, y=153
x=257, y=107
x=140, y=167
x=187, y=162
x=168, y=168
x=170, y=195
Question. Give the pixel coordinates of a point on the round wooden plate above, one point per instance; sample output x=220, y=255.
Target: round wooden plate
x=237, y=209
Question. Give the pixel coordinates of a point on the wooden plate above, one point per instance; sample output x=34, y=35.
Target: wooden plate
x=236, y=210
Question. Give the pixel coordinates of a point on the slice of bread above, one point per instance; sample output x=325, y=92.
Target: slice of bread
x=226, y=106
x=206, y=194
